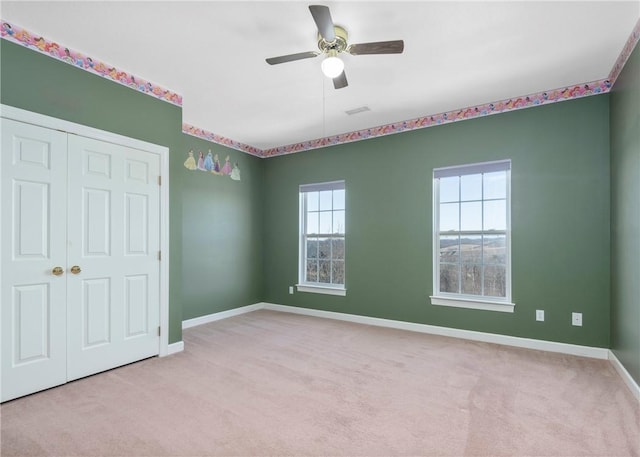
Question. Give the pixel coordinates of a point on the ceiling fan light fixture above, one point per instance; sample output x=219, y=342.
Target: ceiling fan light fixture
x=332, y=40
x=332, y=66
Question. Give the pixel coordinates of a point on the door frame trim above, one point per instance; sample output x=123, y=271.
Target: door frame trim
x=41, y=120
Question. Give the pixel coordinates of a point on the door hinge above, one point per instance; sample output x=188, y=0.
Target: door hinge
x=159, y=180
x=158, y=331
x=159, y=256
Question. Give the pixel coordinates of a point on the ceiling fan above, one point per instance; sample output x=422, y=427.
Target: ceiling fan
x=332, y=40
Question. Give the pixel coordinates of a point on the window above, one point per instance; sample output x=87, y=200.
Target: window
x=322, y=234
x=471, y=236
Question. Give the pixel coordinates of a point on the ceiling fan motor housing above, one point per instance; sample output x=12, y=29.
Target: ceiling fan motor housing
x=338, y=45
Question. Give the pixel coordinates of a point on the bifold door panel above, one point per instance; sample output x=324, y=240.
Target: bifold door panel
x=80, y=271
x=33, y=243
x=113, y=228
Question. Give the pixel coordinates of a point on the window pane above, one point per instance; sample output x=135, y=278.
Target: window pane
x=471, y=249
x=312, y=223
x=495, y=215
x=325, y=200
x=337, y=248
x=449, y=278
x=495, y=280
x=471, y=232
x=323, y=245
x=324, y=271
x=312, y=248
x=495, y=249
x=312, y=271
x=338, y=272
x=338, y=199
x=450, y=189
x=338, y=222
x=312, y=201
x=471, y=216
x=449, y=217
x=324, y=248
x=495, y=185
x=325, y=222
x=449, y=249
x=471, y=187
x=471, y=279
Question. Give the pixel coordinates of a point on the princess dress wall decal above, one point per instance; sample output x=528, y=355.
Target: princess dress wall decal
x=190, y=163
x=200, y=161
x=235, y=173
x=216, y=165
x=208, y=162
x=211, y=164
x=226, y=168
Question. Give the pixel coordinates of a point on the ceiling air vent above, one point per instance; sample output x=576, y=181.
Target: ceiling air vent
x=353, y=111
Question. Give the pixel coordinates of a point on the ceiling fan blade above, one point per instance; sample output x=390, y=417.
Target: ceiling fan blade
x=291, y=57
x=379, y=47
x=322, y=17
x=340, y=81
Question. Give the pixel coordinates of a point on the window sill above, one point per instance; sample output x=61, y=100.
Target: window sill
x=486, y=305
x=321, y=290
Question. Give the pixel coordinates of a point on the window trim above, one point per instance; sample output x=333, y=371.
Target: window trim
x=327, y=290
x=314, y=287
x=472, y=303
x=481, y=302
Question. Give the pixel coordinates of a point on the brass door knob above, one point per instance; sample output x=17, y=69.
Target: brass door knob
x=57, y=271
x=75, y=269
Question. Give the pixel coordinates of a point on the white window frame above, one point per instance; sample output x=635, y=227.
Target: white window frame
x=303, y=285
x=460, y=300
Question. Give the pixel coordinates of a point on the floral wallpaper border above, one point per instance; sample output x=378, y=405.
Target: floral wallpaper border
x=11, y=32
x=219, y=139
x=38, y=43
x=568, y=93
x=626, y=52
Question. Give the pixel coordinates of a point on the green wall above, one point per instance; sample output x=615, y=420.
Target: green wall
x=214, y=211
x=625, y=216
x=221, y=233
x=560, y=220
x=236, y=243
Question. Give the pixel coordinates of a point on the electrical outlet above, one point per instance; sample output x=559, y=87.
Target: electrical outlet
x=291, y=289
x=576, y=319
x=540, y=315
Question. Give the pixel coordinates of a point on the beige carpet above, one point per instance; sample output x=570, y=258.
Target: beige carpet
x=269, y=383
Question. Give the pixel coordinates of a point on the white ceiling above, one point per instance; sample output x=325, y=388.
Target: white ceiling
x=457, y=54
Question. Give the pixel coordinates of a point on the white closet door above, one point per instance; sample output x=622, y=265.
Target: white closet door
x=114, y=227
x=33, y=202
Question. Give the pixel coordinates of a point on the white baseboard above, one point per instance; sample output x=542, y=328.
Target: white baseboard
x=624, y=374
x=221, y=315
x=176, y=347
x=551, y=346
